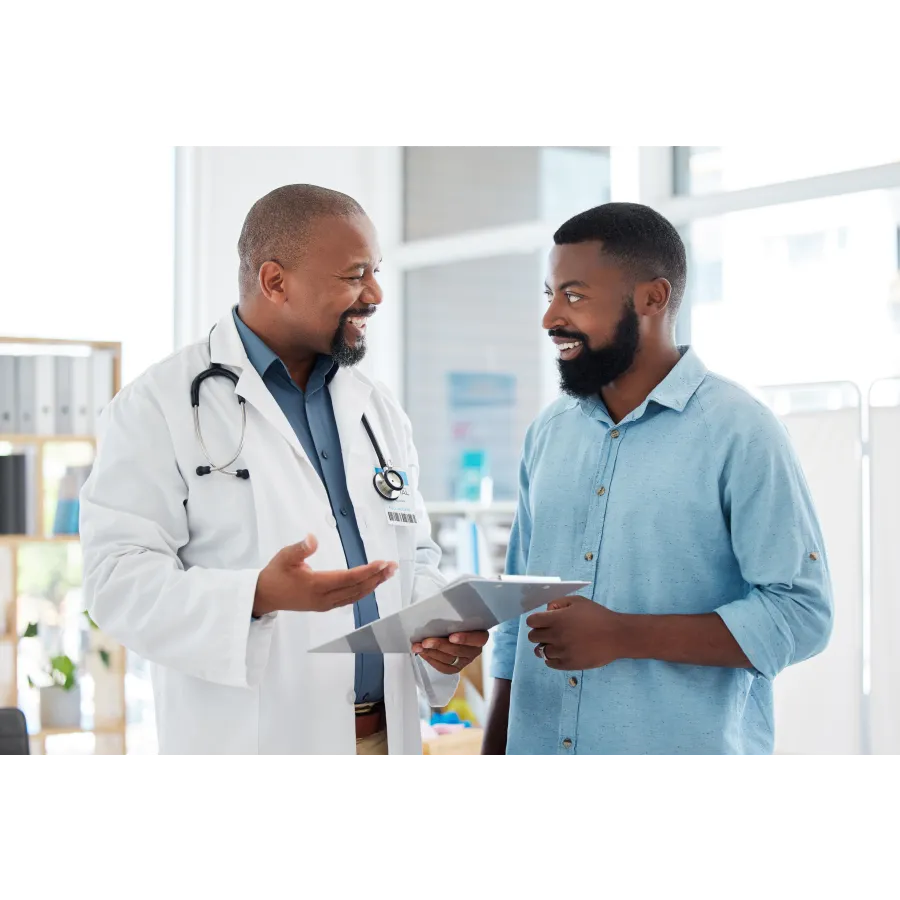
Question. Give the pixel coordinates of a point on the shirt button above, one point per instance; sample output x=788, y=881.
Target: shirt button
x=351, y=698
x=573, y=681
x=343, y=511
x=614, y=433
x=813, y=556
x=567, y=743
x=324, y=454
x=601, y=491
x=588, y=556
x=333, y=521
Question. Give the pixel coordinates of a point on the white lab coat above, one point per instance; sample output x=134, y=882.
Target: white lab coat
x=171, y=559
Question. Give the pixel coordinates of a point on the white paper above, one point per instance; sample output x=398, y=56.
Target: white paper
x=469, y=603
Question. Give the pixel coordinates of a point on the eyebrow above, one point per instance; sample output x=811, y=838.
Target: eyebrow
x=566, y=285
x=362, y=264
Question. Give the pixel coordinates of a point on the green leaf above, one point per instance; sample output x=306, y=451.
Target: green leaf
x=104, y=657
x=93, y=624
x=31, y=630
x=30, y=682
x=63, y=671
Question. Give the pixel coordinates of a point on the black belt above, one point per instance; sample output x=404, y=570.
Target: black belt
x=370, y=719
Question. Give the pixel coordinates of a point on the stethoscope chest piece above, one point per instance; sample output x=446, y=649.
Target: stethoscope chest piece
x=389, y=483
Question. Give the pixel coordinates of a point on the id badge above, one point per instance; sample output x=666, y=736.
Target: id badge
x=400, y=512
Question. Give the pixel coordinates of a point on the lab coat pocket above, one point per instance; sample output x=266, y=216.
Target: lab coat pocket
x=221, y=512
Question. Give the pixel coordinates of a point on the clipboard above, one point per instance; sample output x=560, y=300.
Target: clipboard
x=470, y=603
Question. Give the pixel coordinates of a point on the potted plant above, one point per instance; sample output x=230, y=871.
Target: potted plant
x=60, y=691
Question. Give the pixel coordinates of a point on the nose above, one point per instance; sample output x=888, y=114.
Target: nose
x=554, y=318
x=373, y=293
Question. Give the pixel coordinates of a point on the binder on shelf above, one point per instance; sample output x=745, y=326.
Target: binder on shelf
x=8, y=414
x=30, y=523
x=63, y=395
x=25, y=395
x=82, y=414
x=20, y=494
x=44, y=395
x=102, y=362
x=6, y=495
x=13, y=494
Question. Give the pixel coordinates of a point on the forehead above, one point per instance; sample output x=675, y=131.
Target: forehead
x=343, y=240
x=583, y=262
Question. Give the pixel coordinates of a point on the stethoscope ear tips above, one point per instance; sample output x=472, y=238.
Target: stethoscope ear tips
x=241, y=473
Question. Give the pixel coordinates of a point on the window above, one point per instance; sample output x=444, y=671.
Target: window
x=706, y=170
x=450, y=190
x=801, y=292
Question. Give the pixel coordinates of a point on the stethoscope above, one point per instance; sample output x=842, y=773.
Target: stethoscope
x=388, y=482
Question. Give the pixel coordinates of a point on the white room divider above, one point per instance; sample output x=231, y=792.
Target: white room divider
x=818, y=703
x=884, y=442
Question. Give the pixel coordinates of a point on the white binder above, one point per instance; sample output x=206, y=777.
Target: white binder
x=470, y=603
x=8, y=413
x=63, y=395
x=82, y=400
x=101, y=384
x=44, y=394
x=25, y=395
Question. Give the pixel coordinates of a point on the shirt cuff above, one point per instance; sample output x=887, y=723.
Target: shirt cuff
x=761, y=632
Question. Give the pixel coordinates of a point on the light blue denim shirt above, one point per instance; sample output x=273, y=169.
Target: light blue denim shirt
x=693, y=503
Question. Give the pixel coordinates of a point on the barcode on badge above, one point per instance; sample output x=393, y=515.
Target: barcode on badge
x=401, y=518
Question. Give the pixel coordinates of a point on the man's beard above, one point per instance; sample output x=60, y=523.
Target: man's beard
x=341, y=352
x=592, y=370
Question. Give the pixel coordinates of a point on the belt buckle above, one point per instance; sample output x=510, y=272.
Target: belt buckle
x=364, y=709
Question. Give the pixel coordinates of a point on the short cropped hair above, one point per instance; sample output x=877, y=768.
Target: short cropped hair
x=279, y=226
x=636, y=237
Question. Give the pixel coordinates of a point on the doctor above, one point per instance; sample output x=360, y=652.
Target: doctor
x=234, y=521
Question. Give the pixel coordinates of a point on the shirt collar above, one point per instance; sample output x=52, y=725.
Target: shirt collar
x=674, y=391
x=262, y=357
x=677, y=388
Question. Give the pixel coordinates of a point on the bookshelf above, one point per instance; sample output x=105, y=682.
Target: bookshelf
x=51, y=392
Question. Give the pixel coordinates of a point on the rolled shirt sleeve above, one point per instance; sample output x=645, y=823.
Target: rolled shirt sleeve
x=787, y=613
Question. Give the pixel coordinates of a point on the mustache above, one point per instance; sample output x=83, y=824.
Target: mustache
x=573, y=335
x=365, y=312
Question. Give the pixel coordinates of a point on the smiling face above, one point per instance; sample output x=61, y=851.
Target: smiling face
x=591, y=317
x=327, y=297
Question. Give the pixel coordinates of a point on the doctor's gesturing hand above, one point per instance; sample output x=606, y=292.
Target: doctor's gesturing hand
x=287, y=582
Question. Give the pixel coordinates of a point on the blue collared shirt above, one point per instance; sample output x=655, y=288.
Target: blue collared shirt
x=311, y=415
x=693, y=503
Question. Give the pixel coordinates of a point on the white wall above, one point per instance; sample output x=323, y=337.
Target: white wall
x=216, y=186
x=87, y=244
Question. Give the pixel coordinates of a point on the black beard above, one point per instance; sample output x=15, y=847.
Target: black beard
x=592, y=370
x=341, y=352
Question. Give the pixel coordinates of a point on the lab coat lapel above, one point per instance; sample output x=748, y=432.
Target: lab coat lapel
x=349, y=396
x=227, y=349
